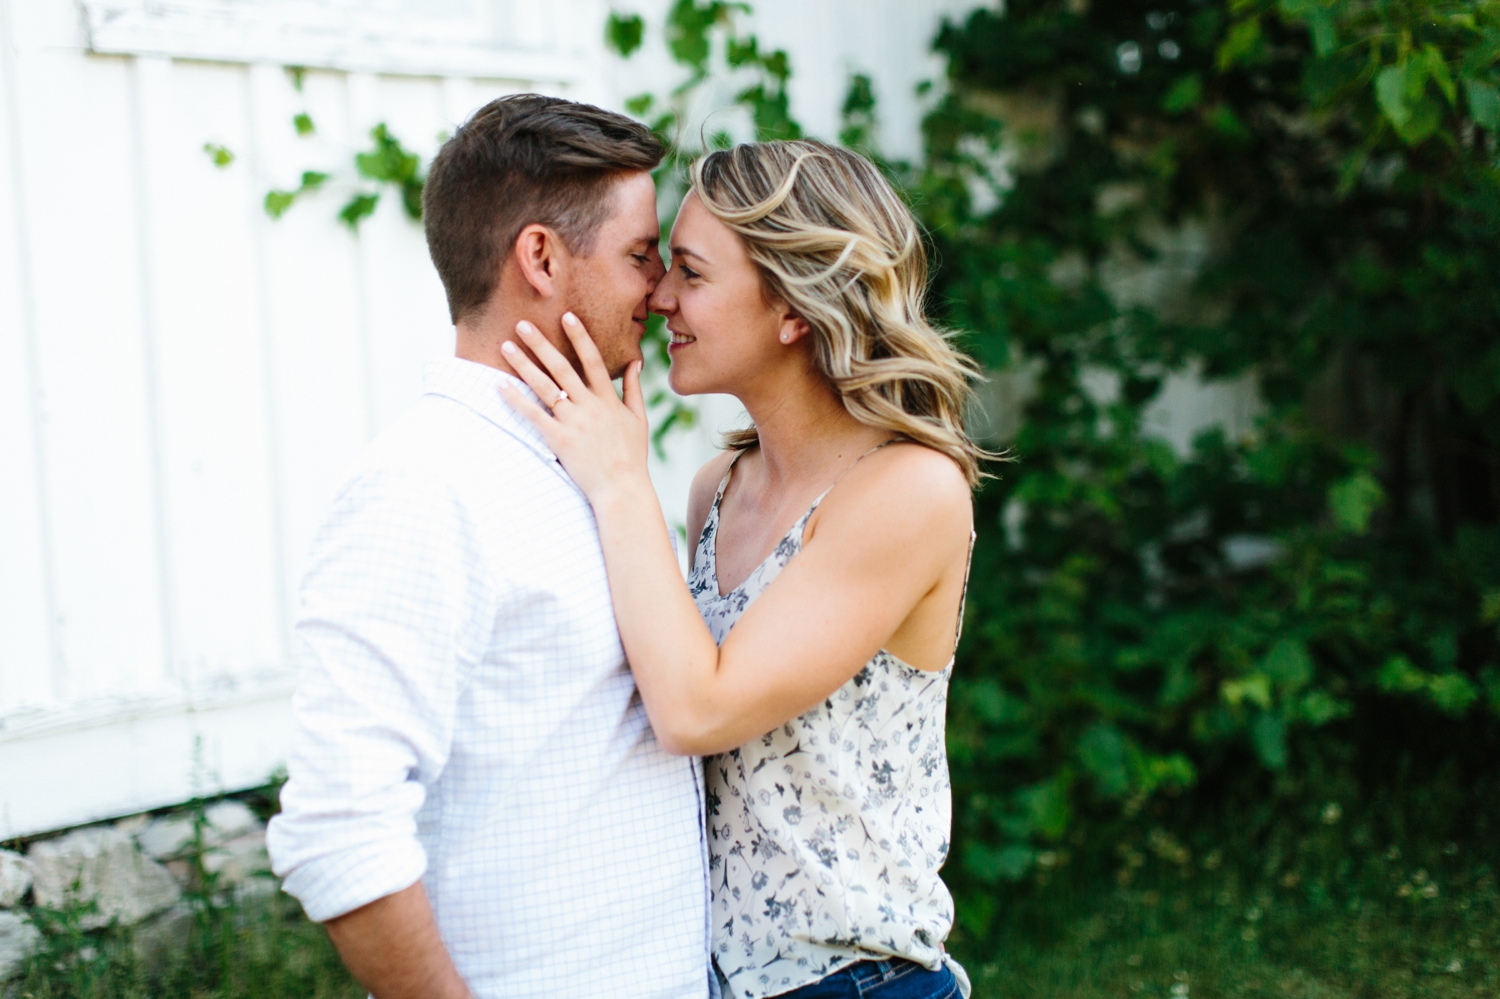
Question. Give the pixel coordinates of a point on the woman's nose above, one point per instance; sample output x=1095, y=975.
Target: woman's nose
x=662, y=301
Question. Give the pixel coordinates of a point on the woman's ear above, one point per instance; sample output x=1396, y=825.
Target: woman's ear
x=536, y=250
x=793, y=328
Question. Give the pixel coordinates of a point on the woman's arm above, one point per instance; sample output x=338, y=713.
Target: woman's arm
x=882, y=542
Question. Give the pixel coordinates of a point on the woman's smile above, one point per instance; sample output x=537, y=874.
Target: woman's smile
x=679, y=340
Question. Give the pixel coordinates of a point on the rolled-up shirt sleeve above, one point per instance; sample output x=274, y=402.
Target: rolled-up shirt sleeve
x=396, y=608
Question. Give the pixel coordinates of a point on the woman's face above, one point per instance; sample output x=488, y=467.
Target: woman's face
x=725, y=336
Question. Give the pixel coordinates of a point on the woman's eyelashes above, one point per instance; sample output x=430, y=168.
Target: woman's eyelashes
x=687, y=271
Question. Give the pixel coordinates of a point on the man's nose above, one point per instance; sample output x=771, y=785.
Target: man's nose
x=654, y=275
x=660, y=300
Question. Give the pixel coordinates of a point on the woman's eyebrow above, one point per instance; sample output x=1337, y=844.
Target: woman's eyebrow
x=683, y=251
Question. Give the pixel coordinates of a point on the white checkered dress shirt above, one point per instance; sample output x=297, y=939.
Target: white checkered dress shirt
x=465, y=716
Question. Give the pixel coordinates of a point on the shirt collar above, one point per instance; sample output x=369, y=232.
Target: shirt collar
x=478, y=387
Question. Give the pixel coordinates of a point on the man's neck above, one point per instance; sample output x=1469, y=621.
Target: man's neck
x=481, y=337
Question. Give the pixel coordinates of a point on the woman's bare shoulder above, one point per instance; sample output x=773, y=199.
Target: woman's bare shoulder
x=909, y=484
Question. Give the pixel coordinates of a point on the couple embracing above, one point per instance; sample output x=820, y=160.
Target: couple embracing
x=530, y=760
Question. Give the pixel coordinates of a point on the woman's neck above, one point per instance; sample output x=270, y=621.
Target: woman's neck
x=804, y=428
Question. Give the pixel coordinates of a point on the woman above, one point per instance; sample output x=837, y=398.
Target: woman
x=812, y=647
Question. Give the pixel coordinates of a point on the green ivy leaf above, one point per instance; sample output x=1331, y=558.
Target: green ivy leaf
x=624, y=33
x=740, y=52
x=1425, y=119
x=1437, y=71
x=1224, y=121
x=1353, y=501
x=1186, y=94
x=220, y=155
x=1452, y=692
x=1319, y=708
x=277, y=202
x=1268, y=736
x=1325, y=35
x=1489, y=608
x=1047, y=805
x=1484, y=103
x=1152, y=772
x=389, y=160
x=1102, y=751
x=357, y=209
x=1241, y=45
x=1255, y=688
x=303, y=123
x=688, y=25
x=1319, y=18
x=1390, y=94
x=640, y=105
x=991, y=865
x=1289, y=665
x=1399, y=676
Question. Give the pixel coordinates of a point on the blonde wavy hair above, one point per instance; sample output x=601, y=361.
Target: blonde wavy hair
x=834, y=241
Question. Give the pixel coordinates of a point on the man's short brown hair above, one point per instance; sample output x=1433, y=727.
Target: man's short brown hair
x=522, y=160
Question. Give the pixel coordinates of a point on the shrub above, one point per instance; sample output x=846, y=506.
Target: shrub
x=1313, y=602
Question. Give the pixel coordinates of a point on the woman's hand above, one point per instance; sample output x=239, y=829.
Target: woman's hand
x=601, y=440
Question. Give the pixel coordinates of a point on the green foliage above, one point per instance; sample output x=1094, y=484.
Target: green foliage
x=277, y=202
x=218, y=943
x=624, y=33
x=859, y=115
x=220, y=155
x=387, y=163
x=391, y=163
x=1311, y=593
x=253, y=947
x=695, y=31
x=691, y=25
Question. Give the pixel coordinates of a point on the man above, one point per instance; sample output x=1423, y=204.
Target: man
x=477, y=806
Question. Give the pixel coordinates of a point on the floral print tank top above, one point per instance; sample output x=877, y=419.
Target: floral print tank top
x=826, y=834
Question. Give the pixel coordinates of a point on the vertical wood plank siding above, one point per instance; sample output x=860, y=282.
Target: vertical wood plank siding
x=183, y=380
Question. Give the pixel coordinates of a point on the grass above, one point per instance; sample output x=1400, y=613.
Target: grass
x=256, y=948
x=1302, y=923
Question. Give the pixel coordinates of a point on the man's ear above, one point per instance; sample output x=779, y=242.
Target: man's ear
x=538, y=253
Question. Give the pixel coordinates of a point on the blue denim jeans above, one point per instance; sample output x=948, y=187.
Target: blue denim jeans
x=894, y=979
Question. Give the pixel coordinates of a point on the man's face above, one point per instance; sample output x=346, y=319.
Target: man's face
x=608, y=288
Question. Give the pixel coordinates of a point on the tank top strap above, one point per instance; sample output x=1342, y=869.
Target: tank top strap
x=963, y=597
x=724, y=482
x=824, y=494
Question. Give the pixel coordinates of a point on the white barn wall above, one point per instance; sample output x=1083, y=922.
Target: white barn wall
x=183, y=380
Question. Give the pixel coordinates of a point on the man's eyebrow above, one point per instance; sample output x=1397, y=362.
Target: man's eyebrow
x=649, y=240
